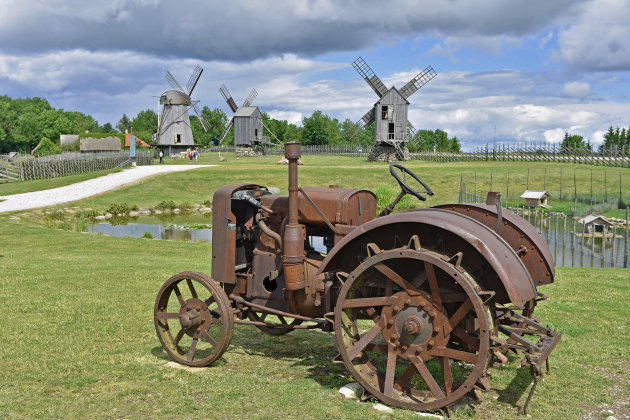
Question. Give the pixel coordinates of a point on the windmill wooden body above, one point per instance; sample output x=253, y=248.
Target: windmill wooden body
x=174, y=131
x=247, y=122
x=392, y=131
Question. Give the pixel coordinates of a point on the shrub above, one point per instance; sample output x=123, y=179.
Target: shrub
x=118, y=208
x=164, y=205
x=46, y=148
x=148, y=235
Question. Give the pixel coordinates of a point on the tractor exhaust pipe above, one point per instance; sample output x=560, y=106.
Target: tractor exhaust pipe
x=293, y=242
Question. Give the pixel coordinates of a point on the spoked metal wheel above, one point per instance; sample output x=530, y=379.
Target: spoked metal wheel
x=274, y=324
x=193, y=319
x=411, y=327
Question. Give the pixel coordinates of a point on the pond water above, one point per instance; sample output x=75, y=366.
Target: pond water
x=168, y=227
x=568, y=246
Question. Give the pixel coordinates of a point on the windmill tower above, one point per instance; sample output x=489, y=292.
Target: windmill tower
x=248, y=124
x=392, y=127
x=174, y=133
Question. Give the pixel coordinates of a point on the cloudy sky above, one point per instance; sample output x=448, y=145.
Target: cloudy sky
x=508, y=70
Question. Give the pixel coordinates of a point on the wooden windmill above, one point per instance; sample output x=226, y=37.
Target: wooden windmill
x=247, y=121
x=392, y=127
x=174, y=131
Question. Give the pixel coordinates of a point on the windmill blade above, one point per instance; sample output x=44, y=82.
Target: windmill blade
x=204, y=123
x=368, y=118
x=250, y=98
x=272, y=134
x=228, y=98
x=193, y=79
x=369, y=76
x=417, y=82
x=414, y=136
x=363, y=123
x=227, y=130
x=171, y=81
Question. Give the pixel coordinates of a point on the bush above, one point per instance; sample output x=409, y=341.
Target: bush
x=148, y=235
x=46, y=148
x=166, y=205
x=118, y=208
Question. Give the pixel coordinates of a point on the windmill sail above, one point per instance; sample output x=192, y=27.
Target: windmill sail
x=193, y=79
x=228, y=98
x=171, y=81
x=368, y=118
x=369, y=76
x=227, y=130
x=202, y=119
x=417, y=82
x=250, y=98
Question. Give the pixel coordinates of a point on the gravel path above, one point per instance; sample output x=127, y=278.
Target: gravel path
x=88, y=188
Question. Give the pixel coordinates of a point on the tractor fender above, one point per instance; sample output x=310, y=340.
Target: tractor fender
x=484, y=254
x=519, y=233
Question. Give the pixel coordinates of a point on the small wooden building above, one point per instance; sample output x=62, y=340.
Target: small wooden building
x=594, y=223
x=535, y=198
x=248, y=127
x=391, y=118
x=107, y=144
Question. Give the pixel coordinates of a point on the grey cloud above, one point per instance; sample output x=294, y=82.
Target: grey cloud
x=247, y=30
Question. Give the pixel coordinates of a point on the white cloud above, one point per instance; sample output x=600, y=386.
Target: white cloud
x=577, y=89
x=599, y=39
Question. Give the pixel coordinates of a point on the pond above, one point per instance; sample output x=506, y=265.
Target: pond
x=568, y=246
x=169, y=227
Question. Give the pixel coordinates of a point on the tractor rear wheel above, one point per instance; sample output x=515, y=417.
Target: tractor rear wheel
x=197, y=311
x=411, y=327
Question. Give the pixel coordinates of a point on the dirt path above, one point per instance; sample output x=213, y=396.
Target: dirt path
x=81, y=190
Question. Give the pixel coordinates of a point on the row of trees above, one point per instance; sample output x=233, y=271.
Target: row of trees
x=617, y=139
x=25, y=122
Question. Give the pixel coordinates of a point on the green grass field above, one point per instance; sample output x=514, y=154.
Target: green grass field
x=79, y=340
x=444, y=178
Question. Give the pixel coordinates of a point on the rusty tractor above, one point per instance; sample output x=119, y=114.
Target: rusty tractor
x=421, y=302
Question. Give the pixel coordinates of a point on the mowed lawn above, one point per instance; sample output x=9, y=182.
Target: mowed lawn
x=79, y=341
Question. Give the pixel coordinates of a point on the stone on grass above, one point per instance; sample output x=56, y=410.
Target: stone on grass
x=176, y=211
x=101, y=217
x=351, y=391
x=184, y=367
x=133, y=213
x=156, y=211
x=383, y=408
x=429, y=415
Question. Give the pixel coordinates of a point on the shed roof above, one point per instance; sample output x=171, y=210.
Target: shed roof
x=245, y=111
x=139, y=142
x=594, y=218
x=535, y=194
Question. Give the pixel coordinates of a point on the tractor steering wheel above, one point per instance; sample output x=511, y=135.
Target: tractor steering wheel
x=403, y=185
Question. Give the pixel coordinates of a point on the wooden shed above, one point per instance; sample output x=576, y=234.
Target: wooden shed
x=594, y=223
x=107, y=144
x=248, y=126
x=534, y=198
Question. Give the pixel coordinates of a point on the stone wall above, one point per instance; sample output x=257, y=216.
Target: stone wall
x=382, y=153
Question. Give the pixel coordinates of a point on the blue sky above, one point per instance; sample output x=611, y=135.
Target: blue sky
x=531, y=69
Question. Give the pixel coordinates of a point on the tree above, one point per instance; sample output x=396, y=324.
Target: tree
x=144, y=125
x=107, y=128
x=123, y=124
x=573, y=142
x=315, y=129
x=47, y=147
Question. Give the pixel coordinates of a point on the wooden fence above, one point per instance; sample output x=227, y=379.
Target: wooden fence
x=24, y=167
x=574, y=246
x=502, y=152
